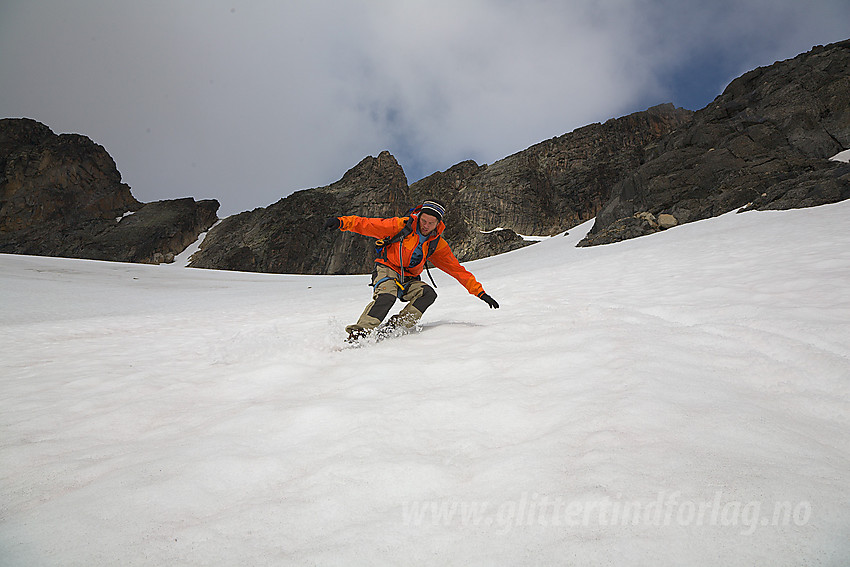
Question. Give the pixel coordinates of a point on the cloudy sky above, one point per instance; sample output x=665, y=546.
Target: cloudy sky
x=248, y=101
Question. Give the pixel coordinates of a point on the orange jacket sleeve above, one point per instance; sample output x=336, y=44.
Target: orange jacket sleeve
x=444, y=259
x=376, y=228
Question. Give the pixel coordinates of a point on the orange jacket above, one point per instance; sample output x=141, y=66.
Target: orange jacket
x=441, y=257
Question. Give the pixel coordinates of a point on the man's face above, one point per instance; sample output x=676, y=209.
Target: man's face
x=427, y=223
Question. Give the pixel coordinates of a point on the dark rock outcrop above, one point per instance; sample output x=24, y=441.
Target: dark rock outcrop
x=562, y=182
x=155, y=233
x=288, y=236
x=547, y=188
x=61, y=195
x=762, y=144
x=55, y=181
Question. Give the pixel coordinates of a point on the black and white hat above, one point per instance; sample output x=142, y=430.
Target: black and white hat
x=433, y=208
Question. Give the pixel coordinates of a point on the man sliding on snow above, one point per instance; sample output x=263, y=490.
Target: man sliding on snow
x=410, y=242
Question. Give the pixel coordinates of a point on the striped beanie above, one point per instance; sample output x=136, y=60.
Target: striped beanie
x=433, y=208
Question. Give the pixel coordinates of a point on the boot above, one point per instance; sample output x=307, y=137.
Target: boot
x=355, y=334
x=402, y=321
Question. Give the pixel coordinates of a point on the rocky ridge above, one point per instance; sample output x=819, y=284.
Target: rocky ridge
x=549, y=187
x=288, y=236
x=543, y=190
x=62, y=195
x=764, y=143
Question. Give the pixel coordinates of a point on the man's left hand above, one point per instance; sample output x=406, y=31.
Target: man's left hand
x=489, y=301
x=333, y=223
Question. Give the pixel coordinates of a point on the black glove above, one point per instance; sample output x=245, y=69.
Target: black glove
x=333, y=223
x=489, y=300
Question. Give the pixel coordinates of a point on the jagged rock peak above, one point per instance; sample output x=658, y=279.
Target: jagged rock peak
x=60, y=179
x=762, y=144
x=561, y=182
x=287, y=237
x=62, y=195
x=383, y=170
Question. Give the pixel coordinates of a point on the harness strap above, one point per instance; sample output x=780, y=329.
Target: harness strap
x=402, y=289
x=400, y=260
x=430, y=277
x=382, y=243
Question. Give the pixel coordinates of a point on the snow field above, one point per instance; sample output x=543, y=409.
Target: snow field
x=699, y=376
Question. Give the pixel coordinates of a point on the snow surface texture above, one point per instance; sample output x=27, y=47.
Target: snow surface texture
x=677, y=399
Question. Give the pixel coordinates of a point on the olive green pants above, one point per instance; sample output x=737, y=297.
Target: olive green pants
x=418, y=295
